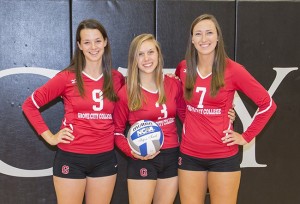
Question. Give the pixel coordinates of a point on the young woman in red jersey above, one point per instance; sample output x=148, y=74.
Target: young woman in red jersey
x=148, y=94
x=85, y=164
x=209, y=156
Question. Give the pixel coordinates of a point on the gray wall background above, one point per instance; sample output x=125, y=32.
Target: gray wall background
x=36, y=40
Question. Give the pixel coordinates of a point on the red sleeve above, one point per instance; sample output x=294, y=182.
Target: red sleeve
x=246, y=83
x=119, y=80
x=40, y=97
x=179, y=68
x=180, y=103
x=120, y=117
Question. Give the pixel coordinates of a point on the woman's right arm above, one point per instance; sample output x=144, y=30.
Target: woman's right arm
x=40, y=97
x=120, y=117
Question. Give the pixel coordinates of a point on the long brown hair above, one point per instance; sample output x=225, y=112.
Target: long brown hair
x=134, y=93
x=219, y=63
x=78, y=61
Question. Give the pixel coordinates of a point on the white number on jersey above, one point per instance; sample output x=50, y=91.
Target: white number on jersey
x=98, y=97
x=163, y=111
x=203, y=91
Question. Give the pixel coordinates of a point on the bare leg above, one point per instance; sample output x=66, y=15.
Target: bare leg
x=192, y=186
x=99, y=190
x=141, y=191
x=69, y=190
x=224, y=186
x=166, y=190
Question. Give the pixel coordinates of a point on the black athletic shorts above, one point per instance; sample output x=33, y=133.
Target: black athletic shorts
x=229, y=164
x=79, y=166
x=164, y=165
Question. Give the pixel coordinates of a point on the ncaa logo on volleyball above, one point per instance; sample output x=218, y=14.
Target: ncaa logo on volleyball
x=145, y=137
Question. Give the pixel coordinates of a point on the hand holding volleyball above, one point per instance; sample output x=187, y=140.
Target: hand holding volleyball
x=145, y=137
x=147, y=157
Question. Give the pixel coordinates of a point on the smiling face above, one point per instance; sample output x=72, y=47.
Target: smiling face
x=205, y=37
x=92, y=45
x=147, y=58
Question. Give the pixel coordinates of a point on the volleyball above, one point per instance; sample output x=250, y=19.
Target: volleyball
x=145, y=137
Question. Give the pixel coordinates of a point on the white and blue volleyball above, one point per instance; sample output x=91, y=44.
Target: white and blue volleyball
x=145, y=137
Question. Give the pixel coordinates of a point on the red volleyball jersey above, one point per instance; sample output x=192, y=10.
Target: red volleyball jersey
x=207, y=117
x=164, y=114
x=90, y=117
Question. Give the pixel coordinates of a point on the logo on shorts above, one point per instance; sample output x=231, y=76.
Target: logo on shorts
x=65, y=169
x=179, y=161
x=143, y=172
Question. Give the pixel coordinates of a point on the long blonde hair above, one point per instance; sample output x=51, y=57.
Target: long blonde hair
x=134, y=93
x=219, y=63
